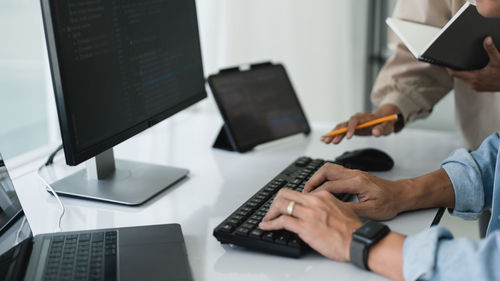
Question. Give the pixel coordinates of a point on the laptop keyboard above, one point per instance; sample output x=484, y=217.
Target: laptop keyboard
x=241, y=227
x=83, y=256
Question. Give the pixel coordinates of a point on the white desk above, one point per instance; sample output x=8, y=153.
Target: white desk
x=218, y=183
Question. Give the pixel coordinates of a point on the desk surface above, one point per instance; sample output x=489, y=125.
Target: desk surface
x=221, y=181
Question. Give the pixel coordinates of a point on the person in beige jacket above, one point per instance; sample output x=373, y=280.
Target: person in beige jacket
x=412, y=88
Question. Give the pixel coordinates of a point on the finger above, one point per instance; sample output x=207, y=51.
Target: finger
x=327, y=172
x=383, y=129
x=283, y=222
x=492, y=50
x=338, y=139
x=351, y=126
x=280, y=207
x=326, y=140
x=341, y=186
x=281, y=202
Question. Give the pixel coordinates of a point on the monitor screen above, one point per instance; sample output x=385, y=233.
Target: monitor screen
x=10, y=208
x=119, y=67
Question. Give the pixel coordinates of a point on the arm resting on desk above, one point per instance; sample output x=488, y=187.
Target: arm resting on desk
x=464, y=183
x=381, y=199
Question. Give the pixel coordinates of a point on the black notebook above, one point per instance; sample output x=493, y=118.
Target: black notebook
x=458, y=45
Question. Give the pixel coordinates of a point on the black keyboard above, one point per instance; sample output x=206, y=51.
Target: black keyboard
x=84, y=256
x=241, y=227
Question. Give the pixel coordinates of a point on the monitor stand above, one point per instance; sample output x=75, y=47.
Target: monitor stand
x=127, y=182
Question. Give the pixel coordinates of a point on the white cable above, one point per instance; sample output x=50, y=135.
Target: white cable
x=18, y=234
x=58, y=229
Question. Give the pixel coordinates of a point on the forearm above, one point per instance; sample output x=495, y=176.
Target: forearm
x=429, y=191
x=386, y=257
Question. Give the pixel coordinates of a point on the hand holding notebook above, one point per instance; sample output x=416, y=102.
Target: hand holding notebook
x=458, y=45
x=485, y=79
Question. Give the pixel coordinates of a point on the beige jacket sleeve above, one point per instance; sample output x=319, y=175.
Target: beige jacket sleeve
x=414, y=86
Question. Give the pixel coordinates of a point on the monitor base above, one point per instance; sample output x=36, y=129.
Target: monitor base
x=132, y=183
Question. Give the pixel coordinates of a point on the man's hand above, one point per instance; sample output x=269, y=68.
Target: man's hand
x=322, y=221
x=379, y=199
x=487, y=78
x=382, y=129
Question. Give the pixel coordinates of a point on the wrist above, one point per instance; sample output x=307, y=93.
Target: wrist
x=386, y=109
x=389, y=109
x=429, y=191
x=386, y=257
x=406, y=195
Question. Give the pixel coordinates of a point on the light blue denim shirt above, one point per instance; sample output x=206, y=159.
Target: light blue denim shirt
x=433, y=254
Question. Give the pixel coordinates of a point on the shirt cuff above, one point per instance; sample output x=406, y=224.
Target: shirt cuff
x=465, y=176
x=409, y=109
x=420, y=253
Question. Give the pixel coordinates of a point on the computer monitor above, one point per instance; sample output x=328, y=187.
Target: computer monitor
x=118, y=68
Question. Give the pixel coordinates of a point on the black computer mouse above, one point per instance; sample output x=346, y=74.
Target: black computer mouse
x=367, y=159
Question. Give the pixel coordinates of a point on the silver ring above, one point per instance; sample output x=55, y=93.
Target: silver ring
x=289, y=209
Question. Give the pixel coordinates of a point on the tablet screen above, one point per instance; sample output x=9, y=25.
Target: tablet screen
x=10, y=207
x=258, y=105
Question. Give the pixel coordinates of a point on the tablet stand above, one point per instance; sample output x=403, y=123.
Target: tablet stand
x=223, y=140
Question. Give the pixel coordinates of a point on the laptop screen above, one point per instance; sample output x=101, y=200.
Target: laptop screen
x=10, y=208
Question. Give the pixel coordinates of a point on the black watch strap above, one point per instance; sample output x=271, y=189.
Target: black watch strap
x=359, y=254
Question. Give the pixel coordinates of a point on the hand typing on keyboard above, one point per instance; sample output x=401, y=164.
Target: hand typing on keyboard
x=241, y=227
x=321, y=220
x=379, y=199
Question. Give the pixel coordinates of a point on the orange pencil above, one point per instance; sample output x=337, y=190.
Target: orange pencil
x=364, y=125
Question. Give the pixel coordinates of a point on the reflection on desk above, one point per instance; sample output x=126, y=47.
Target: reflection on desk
x=219, y=182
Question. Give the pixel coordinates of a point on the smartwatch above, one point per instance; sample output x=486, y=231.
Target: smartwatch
x=363, y=238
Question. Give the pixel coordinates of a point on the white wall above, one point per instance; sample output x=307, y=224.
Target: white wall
x=23, y=78
x=321, y=43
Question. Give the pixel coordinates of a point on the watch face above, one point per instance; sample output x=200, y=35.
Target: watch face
x=370, y=229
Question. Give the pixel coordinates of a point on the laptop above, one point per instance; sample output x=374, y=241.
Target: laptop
x=155, y=252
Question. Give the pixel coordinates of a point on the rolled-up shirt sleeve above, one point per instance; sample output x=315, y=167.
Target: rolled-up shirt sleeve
x=472, y=175
x=434, y=255
x=413, y=86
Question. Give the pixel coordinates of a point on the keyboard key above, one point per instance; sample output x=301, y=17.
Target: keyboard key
x=247, y=225
x=242, y=231
x=256, y=233
x=253, y=222
x=256, y=218
x=252, y=205
x=97, y=236
x=282, y=238
x=261, y=213
x=268, y=236
x=59, y=238
x=84, y=237
x=237, y=217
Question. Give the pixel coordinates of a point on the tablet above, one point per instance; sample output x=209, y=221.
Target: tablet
x=258, y=105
